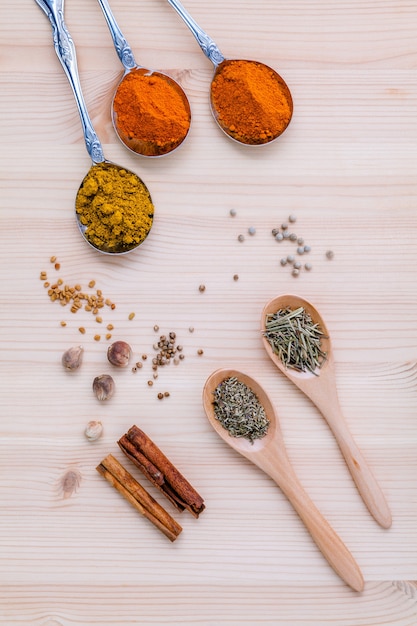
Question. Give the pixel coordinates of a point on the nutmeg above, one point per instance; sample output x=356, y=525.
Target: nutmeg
x=119, y=353
x=72, y=358
x=93, y=430
x=103, y=387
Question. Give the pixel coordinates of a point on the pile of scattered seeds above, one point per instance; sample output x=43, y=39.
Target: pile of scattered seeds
x=77, y=298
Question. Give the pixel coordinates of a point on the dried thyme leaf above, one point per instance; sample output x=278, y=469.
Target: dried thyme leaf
x=239, y=411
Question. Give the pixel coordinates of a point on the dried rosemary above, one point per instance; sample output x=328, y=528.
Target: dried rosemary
x=296, y=339
x=239, y=411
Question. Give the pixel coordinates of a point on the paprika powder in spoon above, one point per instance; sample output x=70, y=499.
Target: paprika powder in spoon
x=249, y=100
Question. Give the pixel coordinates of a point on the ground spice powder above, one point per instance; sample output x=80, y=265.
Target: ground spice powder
x=115, y=207
x=252, y=103
x=151, y=115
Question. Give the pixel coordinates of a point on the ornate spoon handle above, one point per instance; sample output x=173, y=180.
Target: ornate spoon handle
x=123, y=49
x=206, y=43
x=65, y=50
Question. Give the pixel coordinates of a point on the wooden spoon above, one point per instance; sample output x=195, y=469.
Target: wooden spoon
x=321, y=389
x=270, y=455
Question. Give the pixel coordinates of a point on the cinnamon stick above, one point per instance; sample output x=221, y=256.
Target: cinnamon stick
x=146, y=455
x=139, y=498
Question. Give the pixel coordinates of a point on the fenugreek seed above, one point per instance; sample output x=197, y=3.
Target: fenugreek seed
x=131, y=316
x=160, y=395
x=150, y=383
x=292, y=218
x=53, y=259
x=241, y=238
x=77, y=287
x=108, y=336
x=91, y=284
x=236, y=277
x=110, y=327
x=60, y=281
x=82, y=330
x=57, y=266
x=200, y=351
x=99, y=319
x=112, y=306
x=99, y=293
x=63, y=323
x=202, y=288
x=46, y=284
x=97, y=337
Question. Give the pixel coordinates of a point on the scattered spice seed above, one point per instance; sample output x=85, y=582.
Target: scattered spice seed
x=139, y=364
x=252, y=230
x=202, y=288
x=131, y=316
x=97, y=337
x=63, y=323
x=156, y=328
x=82, y=330
x=200, y=351
x=330, y=254
x=160, y=395
x=150, y=383
x=232, y=212
x=292, y=218
x=236, y=277
x=191, y=329
x=53, y=259
x=308, y=267
x=144, y=357
x=91, y=284
x=241, y=238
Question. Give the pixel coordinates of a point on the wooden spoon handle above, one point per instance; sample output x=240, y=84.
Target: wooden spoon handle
x=365, y=481
x=329, y=543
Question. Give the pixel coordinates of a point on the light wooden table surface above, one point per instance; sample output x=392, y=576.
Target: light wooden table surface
x=72, y=550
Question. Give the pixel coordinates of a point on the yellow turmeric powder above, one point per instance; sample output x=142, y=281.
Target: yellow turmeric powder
x=251, y=102
x=115, y=207
x=151, y=113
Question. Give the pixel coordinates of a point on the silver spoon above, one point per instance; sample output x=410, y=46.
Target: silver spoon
x=65, y=50
x=164, y=115
x=270, y=455
x=280, y=97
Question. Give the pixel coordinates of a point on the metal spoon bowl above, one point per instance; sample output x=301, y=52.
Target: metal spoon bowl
x=320, y=387
x=65, y=50
x=270, y=455
x=139, y=144
x=220, y=63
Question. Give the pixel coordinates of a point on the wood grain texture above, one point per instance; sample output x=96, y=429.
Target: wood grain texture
x=72, y=551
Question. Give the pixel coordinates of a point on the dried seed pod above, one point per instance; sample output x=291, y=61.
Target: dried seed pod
x=103, y=387
x=72, y=358
x=93, y=430
x=119, y=353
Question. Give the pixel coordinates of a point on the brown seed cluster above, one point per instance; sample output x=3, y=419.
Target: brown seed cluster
x=168, y=350
x=76, y=298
